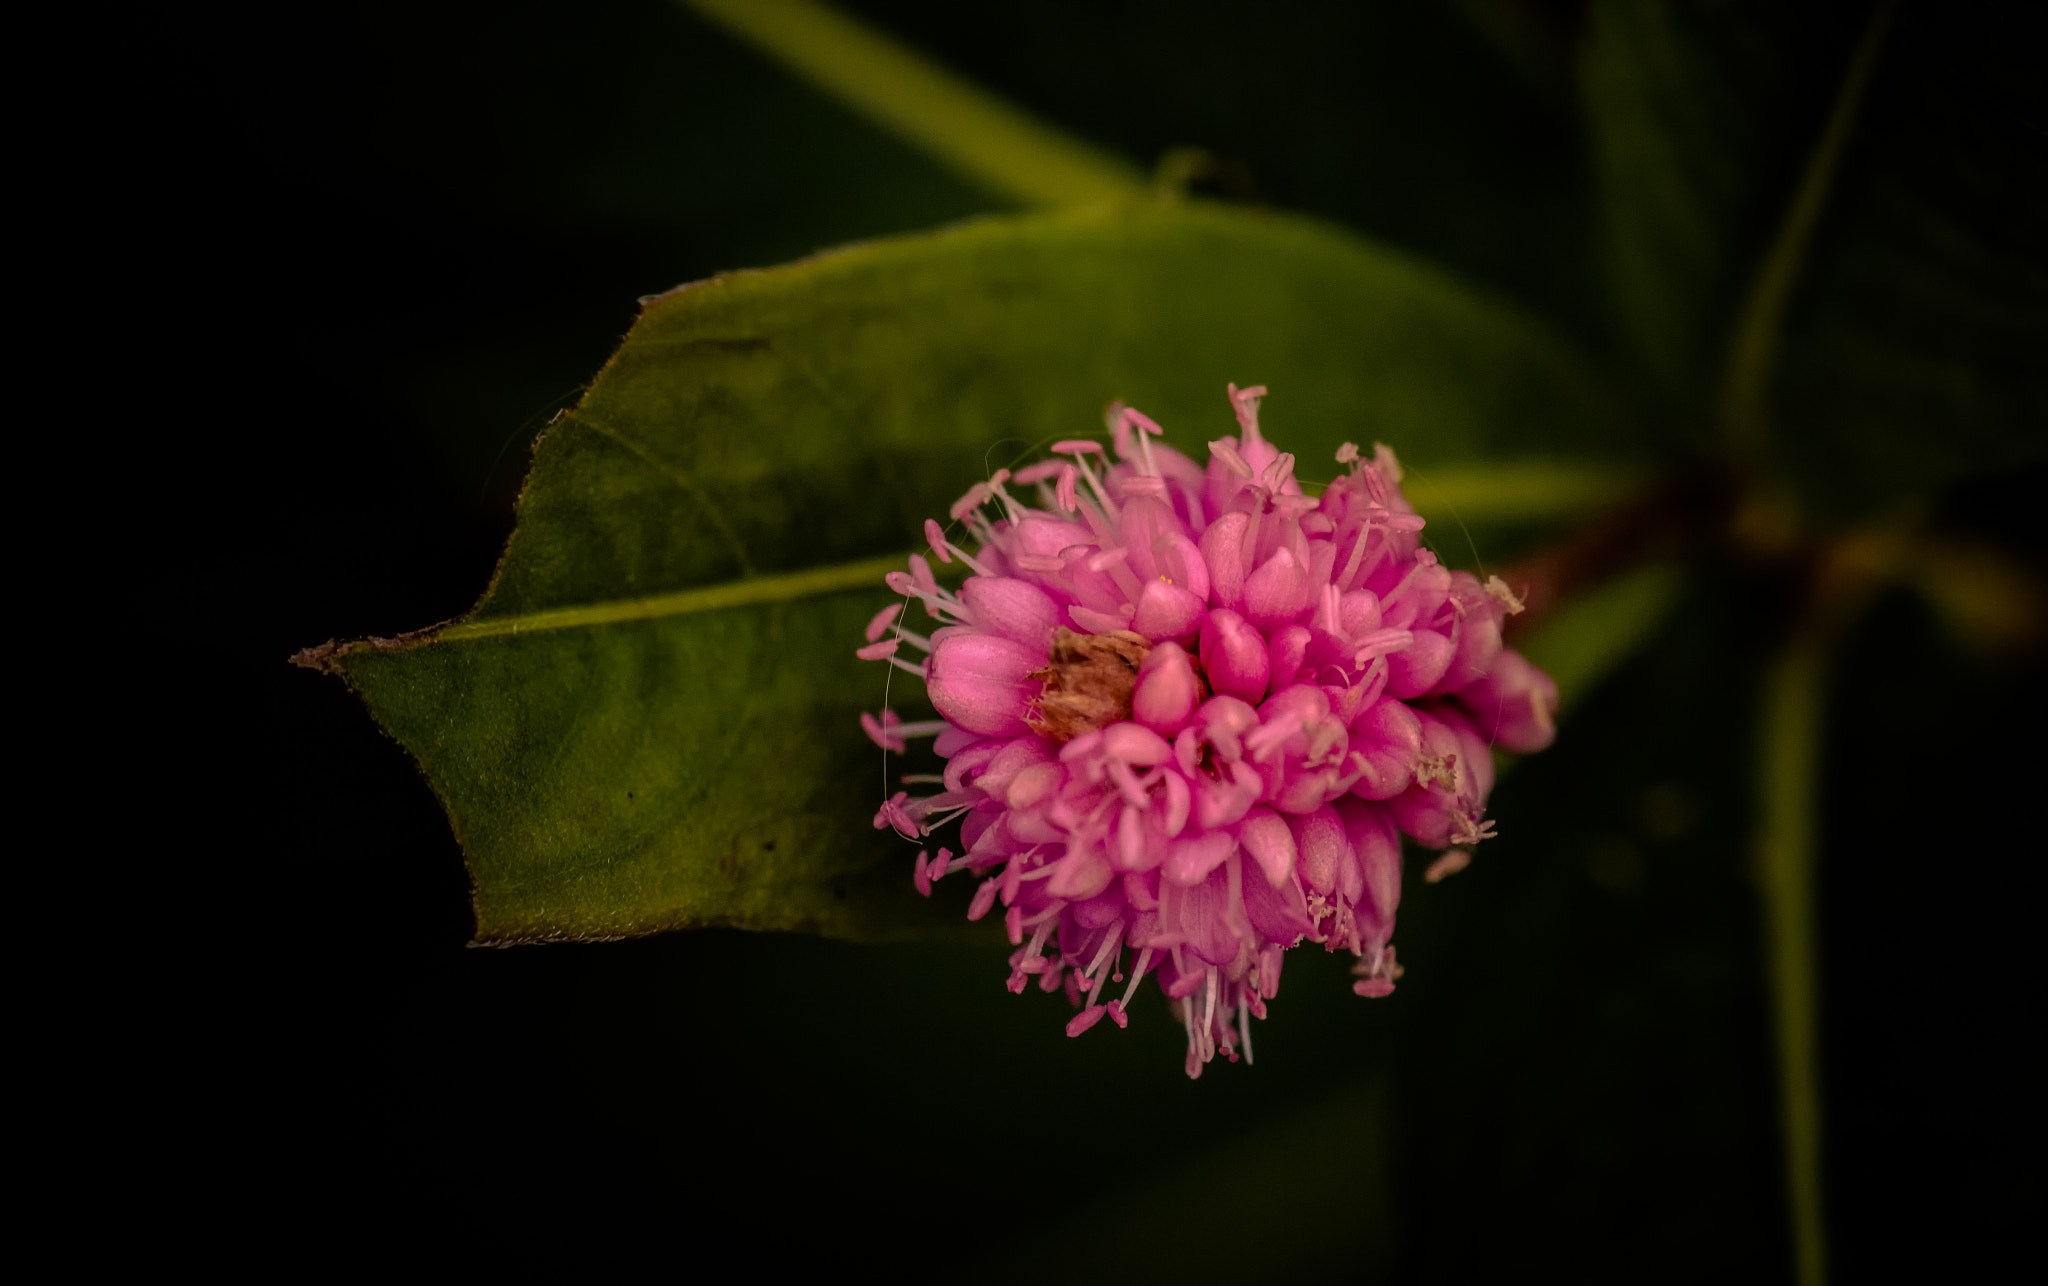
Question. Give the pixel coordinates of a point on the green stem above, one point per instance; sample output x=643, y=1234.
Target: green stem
x=990, y=142
x=1753, y=349
x=1786, y=843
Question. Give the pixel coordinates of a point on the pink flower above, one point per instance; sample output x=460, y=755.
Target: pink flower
x=1188, y=714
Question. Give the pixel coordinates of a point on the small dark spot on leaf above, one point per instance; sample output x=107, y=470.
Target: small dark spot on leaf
x=768, y=844
x=839, y=893
x=629, y=794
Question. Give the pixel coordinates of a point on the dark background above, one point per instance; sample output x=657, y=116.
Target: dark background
x=376, y=246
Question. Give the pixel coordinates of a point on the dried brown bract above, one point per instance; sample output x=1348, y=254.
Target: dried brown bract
x=1088, y=683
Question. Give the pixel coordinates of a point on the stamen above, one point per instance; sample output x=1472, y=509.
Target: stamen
x=908, y=668
x=1278, y=473
x=1345, y=582
x=943, y=818
x=1436, y=768
x=1137, y=976
x=879, y=625
x=1380, y=642
x=1147, y=430
x=1082, y=1021
x=1321, y=736
x=1384, y=461
x=1264, y=740
x=886, y=732
x=1497, y=589
x=976, y=496
x=1109, y=507
x=1328, y=615
x=1038, y=472
x=1246, y=402
x=1011, y=509
x=1110, y=944
x=1106, y=559
x=1453, y=861
x=1232, y=461
x=1244, y=1022
x=973, y=564
x=1037, y=944
x=1209, y=1014
x=1470, y=830
x=1063, y=494
x=1119, y=428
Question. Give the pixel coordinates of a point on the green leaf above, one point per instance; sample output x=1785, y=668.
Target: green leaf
x=971, y=131
x=1671, y=167
x=1587, y=639
x=1913, y=350
x=1867, y=261
x=651, y=719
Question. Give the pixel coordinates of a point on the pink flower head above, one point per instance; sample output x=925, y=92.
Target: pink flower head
x=1188, y=714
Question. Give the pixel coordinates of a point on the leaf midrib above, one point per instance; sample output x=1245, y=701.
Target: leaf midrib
x=1520, y=489
x=753, y=591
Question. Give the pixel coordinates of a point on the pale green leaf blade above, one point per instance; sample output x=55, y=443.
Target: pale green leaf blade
x=651, y=721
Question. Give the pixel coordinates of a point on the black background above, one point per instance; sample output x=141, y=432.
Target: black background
x=370, y=248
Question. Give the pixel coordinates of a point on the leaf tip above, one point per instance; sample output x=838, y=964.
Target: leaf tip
x=319, y=658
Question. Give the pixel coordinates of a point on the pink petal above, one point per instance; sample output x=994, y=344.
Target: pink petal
x=1235, y=656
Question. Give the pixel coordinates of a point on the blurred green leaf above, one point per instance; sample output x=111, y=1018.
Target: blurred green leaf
x=978, y=135
x=1512, y=491
x=1888, y=231
x=1588, y=638
x=1672, y=177
x=1912, y=353
x=650, y=721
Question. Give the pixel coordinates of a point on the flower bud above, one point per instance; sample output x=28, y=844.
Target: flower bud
x=1234, y=656
x=979, y=682
x=1167, y=612
x=1278, y=591
x=1515, y=702
x=1014, y=609
x=1168, y=690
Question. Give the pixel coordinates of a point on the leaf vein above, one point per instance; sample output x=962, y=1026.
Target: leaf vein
x=752, y=591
